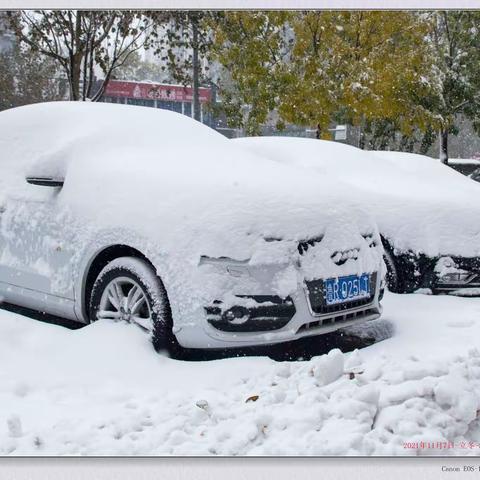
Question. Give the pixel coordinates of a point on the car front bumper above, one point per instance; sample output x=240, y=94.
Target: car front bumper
x=303, y=322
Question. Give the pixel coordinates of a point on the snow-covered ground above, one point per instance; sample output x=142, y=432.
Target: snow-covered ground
x=101, y=390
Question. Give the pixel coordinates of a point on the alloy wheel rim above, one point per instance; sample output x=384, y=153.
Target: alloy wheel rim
x=123, y=299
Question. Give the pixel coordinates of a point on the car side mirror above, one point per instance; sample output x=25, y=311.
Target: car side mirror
x=45, y=181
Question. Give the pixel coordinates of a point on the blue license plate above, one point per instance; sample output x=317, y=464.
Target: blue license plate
x=346, y=289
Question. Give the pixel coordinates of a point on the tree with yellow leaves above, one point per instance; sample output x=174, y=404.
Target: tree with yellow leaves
x=359, y=67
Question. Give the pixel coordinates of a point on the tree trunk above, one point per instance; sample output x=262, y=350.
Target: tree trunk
x=361, y=138
x=444, y=146
x=76, y=58
x=196, y=70
x=75, y=75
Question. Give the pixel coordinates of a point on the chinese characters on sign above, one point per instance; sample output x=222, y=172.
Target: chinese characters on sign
x=154, y=91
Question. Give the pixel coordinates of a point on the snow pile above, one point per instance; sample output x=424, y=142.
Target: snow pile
x=110, y=394
x=420, y=204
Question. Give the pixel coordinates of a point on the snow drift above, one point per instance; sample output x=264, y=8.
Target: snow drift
x=417, y=393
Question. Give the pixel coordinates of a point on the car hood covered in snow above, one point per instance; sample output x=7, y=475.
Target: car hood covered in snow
x=420, y=205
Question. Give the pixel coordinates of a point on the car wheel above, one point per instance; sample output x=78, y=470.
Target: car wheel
x=128, y=289
x=394, y=283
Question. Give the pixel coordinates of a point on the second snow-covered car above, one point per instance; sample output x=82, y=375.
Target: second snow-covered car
x=146, y=216
x=427, y=213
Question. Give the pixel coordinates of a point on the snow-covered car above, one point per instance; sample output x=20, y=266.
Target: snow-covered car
x=427, y=213
x=146, y=216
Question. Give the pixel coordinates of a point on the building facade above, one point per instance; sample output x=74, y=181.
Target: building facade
x=159, y=95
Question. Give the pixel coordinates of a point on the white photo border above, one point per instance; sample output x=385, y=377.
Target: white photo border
x=212, y=468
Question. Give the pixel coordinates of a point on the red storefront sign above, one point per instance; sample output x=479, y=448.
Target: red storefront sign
x=155, y=91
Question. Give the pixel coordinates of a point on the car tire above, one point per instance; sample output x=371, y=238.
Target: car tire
x=393, y=278
x=128, y=289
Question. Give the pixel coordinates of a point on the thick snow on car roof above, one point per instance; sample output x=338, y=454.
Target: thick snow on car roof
x=47, y=135
x=427, y=171
x=419, y=204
